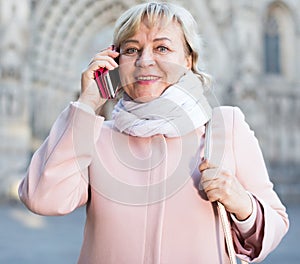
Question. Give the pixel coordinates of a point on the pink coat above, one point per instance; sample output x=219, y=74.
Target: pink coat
x=141, y=194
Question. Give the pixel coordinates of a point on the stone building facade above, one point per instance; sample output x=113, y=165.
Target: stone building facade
x=251, y=48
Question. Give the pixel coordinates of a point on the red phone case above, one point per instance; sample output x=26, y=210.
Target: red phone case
x=108, y=81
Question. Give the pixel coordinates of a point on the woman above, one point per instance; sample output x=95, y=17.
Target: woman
x=139, y=174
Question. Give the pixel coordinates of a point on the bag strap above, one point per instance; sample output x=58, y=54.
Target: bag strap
x=222, y=211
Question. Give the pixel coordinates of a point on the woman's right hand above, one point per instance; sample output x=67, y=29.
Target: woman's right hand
x=89, y=90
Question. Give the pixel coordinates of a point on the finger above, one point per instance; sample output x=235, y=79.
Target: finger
x=205, y=164
x=111, y=47
x=210, y=174
x=104, y=55
x=208, y=178
x=217, y=190
x=103, y=62
x=209, y=185
x=217, y=174
x=107, y=53
x=213, y=196
x=213, y=179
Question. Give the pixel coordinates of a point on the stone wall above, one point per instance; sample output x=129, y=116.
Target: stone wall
x=46, y=44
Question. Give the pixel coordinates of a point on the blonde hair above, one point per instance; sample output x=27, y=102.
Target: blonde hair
x=162, y=13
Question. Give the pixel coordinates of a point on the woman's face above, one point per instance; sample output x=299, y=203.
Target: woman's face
x=152, y=60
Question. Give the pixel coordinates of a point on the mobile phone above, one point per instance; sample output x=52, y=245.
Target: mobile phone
x=108, y=82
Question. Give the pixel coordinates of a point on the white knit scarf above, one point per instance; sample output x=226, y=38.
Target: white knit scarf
x=180, y=109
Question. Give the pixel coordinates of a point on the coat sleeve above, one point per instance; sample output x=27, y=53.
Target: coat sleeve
x=272, y=221
x=57, y=179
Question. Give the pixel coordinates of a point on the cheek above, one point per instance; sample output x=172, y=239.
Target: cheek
x=129, y=89
x=126, y=65
x=126, y=74
x=173, y=72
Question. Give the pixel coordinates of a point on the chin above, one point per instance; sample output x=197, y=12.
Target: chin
x=145, y=98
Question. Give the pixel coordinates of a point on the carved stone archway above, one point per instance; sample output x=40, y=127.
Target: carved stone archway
x=61, y=29
x=63, y=36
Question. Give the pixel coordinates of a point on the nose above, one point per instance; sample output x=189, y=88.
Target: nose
x=145, y=59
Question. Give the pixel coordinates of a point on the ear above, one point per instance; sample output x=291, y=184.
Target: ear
x=189, y=62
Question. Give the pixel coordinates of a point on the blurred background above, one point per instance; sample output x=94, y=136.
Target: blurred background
x=251, y=48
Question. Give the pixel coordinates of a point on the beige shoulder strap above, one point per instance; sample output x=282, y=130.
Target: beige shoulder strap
x=214, y=152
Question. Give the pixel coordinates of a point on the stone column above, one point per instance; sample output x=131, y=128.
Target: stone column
x=247, y=90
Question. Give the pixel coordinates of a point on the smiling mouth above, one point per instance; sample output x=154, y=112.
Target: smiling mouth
x=147, y=78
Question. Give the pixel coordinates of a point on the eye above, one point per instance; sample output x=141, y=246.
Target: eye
x=130, y=51
x=162, y=49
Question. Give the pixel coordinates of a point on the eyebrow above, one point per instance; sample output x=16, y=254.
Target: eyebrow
x=155, y=40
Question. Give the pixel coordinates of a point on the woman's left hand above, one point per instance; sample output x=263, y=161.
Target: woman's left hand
x=220, y=185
